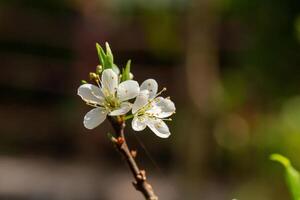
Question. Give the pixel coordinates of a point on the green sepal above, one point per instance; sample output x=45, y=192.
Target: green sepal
x=126, y=71
x=292, y=176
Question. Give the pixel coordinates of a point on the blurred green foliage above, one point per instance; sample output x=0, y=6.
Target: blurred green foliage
x=291, y=174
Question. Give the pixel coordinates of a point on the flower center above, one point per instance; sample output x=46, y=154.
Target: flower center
x=144, y=109
x=111, y=102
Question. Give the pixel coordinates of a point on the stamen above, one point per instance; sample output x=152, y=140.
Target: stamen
x=98, y=82
x=154, y=98
x=167, y=119
x=93, y=93
x=92, y=104
x=160, y=92
x=148, y=105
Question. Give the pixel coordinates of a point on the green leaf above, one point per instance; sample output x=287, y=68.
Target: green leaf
x=291, y=174
x=126, y=71
x=106, y=59
x=101, y=55
x=109, y=56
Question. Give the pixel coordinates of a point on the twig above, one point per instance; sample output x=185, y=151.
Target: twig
x=140, y=182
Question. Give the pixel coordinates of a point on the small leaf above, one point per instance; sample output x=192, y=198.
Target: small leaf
x=106, y=58
x=101, y=55
x=126, y=71
x=109, y=55
x=291, y=174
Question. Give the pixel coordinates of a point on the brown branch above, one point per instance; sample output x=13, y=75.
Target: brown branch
x=140, y=182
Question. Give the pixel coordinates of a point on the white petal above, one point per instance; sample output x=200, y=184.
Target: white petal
x=138, y=123
x=159, y=127
x=90, y=93
x=109, y=82
x=140, y=101
x=128, y=90
x=124, y=108
x=151, y=85
x=94, y=117
x=162, y=107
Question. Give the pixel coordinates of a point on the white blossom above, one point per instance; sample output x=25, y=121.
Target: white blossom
x=109, y=98
x=151, y=110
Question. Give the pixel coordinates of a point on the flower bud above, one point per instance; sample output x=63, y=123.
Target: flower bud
x=131, y=76
x=99, y=69
x=83, y=82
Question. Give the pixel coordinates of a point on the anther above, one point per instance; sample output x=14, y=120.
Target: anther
x=93, y=76
x=164, y=89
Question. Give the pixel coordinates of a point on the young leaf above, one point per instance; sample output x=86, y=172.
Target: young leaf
x=291, y=174
x=101, y=55
x=106, y=58
x=109, y=55
x=126, y=71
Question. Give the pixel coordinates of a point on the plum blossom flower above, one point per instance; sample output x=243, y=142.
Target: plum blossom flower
x=151, y=110
x=109, y=98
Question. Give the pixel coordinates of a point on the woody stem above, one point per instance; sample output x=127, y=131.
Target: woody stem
x=140, y=182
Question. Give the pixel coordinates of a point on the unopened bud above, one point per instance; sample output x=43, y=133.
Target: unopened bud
x=83, y=82
x=131, y=76
x=99, y=69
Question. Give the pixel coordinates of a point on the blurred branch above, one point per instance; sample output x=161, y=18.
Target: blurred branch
x=140, y=182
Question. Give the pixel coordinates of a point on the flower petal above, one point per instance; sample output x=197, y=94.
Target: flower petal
x=109, y=81
x=140, y=101
x=90, y=93
x=94, y=117
x=138, y=123
x=128, y=90
x=159, y=127
x=150, y=85
x=124, y=108
x=162, y=107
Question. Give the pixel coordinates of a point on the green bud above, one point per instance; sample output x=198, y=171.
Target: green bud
x=131, y=76
x=83, y=82
x=99, y=69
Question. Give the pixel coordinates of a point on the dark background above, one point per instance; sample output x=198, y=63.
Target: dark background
x=231, y=66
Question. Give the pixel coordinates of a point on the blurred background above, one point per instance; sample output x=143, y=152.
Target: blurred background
x=231, y=66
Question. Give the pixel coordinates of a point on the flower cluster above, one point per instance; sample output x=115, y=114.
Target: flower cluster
x=115, y=94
